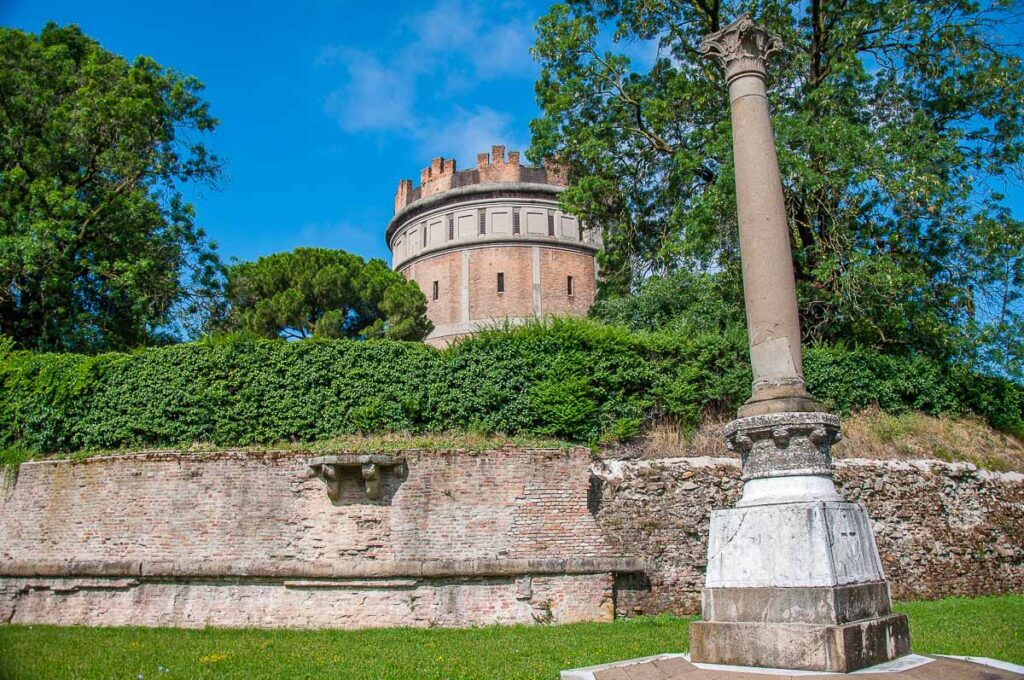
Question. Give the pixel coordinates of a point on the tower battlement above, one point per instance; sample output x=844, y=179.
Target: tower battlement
x=494, y=167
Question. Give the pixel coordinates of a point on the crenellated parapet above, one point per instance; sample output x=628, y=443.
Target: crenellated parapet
x=491, y=168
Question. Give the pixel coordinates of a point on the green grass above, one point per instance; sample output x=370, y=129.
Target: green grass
x=11, y=458
x=983, y=627
x=388, y=443
x=980, y=626
x=491, y=652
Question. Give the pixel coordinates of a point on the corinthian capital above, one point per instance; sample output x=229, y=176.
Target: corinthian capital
x=742, y=48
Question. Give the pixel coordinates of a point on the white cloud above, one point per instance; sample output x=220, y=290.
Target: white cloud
x=374, y=98
x=448, y=24
x=467, y=133
x=458, y=36
x=450, y=47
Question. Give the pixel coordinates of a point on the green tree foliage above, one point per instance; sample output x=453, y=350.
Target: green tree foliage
x=897, y=122
x=324, y=293
x=682, y=301
x=575, y=379
x=97, y=248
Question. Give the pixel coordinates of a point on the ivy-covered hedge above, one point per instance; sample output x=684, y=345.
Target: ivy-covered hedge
x=575, y=379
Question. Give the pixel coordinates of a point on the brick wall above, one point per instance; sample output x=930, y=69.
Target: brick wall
x=350, y=604
x=555, y=266
x=485, y=302
x=237, y=538
x=942, y=529
x=446, y=269
x=485, y=305
x=263, y=506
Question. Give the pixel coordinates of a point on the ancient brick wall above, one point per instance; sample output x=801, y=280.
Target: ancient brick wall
x=461, y=538
x=942, y=529
x=425, y=603
x=236, y=538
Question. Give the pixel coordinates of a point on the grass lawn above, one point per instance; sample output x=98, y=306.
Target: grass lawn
x=992, y=626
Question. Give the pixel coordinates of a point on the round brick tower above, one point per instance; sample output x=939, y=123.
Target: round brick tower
x=490, y=244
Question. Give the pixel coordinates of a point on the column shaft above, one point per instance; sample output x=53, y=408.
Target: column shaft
x=773, y=321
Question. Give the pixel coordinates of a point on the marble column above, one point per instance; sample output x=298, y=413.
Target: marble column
x=794, y=578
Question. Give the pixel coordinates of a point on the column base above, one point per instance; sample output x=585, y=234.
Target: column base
x=779, y=399
x=801, y=646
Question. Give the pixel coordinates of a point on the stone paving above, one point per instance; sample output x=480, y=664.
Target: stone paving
x=670, y=668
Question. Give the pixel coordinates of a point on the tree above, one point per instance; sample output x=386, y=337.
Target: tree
x=897, y=122
x=98, y=250
x=318, y=292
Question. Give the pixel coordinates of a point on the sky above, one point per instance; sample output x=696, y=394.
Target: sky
x=324, y=106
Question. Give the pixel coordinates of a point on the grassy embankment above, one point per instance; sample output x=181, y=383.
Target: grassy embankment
x=990, y=626
x=870, y=433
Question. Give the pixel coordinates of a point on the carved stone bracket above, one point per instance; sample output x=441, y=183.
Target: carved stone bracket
x=742, y=48
x=329, y=469
x=784, y=444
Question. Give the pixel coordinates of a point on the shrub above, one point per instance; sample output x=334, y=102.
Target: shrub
x=577, y=379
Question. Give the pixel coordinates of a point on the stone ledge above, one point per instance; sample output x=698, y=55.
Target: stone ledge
x=338, y=569
x=840, y=649
x=837, y=605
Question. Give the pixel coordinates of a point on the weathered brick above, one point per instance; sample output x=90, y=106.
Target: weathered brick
x=248, y=539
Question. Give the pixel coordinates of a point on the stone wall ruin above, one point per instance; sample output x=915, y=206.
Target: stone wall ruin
x=456, y=538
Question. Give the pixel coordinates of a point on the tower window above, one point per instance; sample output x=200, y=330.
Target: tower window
x=501, y=282
x=515, y=221
x=436, y=287
x=483, y=221
x=424, y=236
x=568, y=286
x=551, y=223
x=451, y=227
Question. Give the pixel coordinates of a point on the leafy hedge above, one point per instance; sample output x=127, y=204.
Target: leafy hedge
x=571, y=378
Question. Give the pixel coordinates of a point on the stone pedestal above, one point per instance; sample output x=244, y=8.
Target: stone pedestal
x=794, y=579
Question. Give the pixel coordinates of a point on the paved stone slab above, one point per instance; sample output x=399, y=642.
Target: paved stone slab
x=647, y=671
x=956, y=669
x=678, y=668
x=675, y=666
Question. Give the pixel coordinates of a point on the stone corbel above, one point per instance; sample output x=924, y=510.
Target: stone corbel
x=371, y=473
x=328, y=469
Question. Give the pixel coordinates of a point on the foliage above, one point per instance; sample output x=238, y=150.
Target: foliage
x=682, y=301
x=572, y=379
x=327, y=294
x=897, y=121
x=984, y=626
x=98, y=250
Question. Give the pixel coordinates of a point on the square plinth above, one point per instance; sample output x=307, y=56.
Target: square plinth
x=792, y=545
x=801, y=646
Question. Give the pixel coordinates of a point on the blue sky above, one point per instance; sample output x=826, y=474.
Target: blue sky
x=324, y=106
